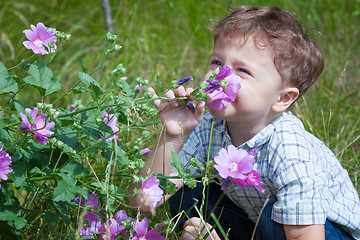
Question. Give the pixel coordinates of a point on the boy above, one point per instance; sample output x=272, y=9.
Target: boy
x=310, y=194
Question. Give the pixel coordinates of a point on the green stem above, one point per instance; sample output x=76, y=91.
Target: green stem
x=67, y=92
x=13, y=96
x=103, y=60
x=52, y=57
x=22, y=62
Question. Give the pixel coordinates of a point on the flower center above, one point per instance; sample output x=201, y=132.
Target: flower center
x=233, y=167
x=38, y=43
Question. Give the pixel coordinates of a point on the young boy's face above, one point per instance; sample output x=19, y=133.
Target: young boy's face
x=261, y=83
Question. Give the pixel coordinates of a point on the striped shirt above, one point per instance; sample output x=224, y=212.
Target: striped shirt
x=299, y=173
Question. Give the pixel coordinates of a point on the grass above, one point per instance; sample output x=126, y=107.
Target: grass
x=170, y=39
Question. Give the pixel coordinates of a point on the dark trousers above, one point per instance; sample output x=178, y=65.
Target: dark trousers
x=233, y=219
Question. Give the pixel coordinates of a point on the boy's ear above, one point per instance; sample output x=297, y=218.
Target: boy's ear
x=286, y=98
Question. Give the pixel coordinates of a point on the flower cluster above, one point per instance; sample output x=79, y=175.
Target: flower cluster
x=116, y=228
x=221, y=88
x=42, y=40
x=5, y=161
x=237, y=165
x=37, y=124
x=218, y=91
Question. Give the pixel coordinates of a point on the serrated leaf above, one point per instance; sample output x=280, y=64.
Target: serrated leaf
x=40, y=74
x=65, y=192
x=83, y=66
x=50, y=218
x=74, y=168
x=125, y=87
x=42, y=78
x=7, y=84
x=91, y=83
x=19, y=174
x=7, y=215
x=52, y=86
x=177, y=163
x=64, y=209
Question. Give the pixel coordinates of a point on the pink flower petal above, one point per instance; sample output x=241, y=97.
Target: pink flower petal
x=141, y=228
x=30, y=35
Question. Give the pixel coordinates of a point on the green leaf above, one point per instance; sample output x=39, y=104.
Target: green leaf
x=79, y=89
x=19, y=173
x=125, y=87
x=160, y=84
x=84, y=68
x=64, y=209
x=65, y=192
x=91, y=83
x=42, y=78
x=7, y=215
x=52, y=86
x=7, y=84
x=74, y=168
x=177, y=163
x=50, y=218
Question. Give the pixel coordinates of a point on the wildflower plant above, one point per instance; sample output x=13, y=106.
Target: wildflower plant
x=64, y=162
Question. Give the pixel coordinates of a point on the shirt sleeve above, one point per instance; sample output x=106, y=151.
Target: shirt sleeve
x=302, y=193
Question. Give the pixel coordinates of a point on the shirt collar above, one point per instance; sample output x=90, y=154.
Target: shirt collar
x=259, y=139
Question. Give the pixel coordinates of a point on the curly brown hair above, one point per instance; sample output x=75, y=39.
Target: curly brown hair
x=297, y=57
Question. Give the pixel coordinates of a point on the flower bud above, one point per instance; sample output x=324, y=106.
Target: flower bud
x=117, y=47
x=67, y=37
x=147, y=95
x=51, y=45
x=59, y=144
x=110, y=37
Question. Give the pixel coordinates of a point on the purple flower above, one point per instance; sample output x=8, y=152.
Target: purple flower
x=72, y=107
x=225, y=183
x=40, y=36
x=233, y=162
x=145, y=151
x=190, y=106
x=77, y=200
x=141, y=229
x=110, y=120
x=253, y=179
x=121, y=216
x=39, y=128
x=93, y=201
x=184, y=80
x=5, y=161
x=223, y=89
x=237, y=165
x=151, y=188
x=88, y=232
x=114, y=229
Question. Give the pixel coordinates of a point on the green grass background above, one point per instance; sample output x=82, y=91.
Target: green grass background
x=171, y=39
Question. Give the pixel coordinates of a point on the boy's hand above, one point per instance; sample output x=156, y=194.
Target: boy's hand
x=179, y=119
x=194, y=228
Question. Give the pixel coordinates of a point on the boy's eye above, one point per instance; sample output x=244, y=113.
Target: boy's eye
x=216, y=62
x=242, y=71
